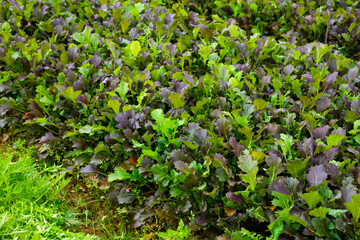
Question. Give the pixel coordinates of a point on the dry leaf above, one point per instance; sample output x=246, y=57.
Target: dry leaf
x=229, y=211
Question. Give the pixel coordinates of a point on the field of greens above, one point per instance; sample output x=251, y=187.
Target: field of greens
x=233, y=119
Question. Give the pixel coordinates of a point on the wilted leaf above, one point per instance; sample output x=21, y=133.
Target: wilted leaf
x=229, y=211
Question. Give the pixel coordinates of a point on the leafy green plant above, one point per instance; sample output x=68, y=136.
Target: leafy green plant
x=225, y=114
x=181, y=233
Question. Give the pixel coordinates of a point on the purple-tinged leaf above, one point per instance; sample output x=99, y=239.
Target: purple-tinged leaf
x=169, y=18
x=74, y=53
x=324, y=158
x=186, y=206
x=322, y=104
x=332, y=65
x=307, y=147
x=221, y=159
x=223, y=126
x=308, y=76
x=38, y=70
x=79, y=143
x=353, y=87
x=36, y=109
x=272, y=129
x=193, y=16
x=15, y=4
x=203, y=219
x=147, y=162
x=356, y=173
x=236, y=147
x=70, y=76
x=205, y=148
x=49, y=136
x=201, y=135
x=347, y=102
x=330, y=79
x=292, y=40
x=272, y=159
x=192, y=128
x=99, y=158
x=172, y=49
x=88, y=169
x=353, y=151
x=339, y=131
x=319, y=159
x=188, y=78
x=321, y=132
x=79, y=85
x=353, y=72
x=134, y=33
x=260, y=72
x=95, y=61
x=179, y=155
x=347, y=192
x=317, y=174
x=331, y=153
x=334, y=171
x=309, y=19
x=355, y=106
x=142, y=215
x=82, y=99
x=239, y=199
x=183, y=167
x=288, y=70
x=279, y=185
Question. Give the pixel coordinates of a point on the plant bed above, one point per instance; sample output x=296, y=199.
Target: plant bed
x=231, y=116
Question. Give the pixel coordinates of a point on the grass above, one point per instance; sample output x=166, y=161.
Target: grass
x=36, y=202
x=30, y=206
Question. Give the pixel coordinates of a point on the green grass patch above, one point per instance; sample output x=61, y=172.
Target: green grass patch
x=30, y=207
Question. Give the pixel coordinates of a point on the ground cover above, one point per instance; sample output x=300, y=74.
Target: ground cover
x=229, y=119
x=30, y=205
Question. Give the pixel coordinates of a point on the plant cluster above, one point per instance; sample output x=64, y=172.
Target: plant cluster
x=230, y=115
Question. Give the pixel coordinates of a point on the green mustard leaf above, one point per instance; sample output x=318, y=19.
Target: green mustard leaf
x=312, y=198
